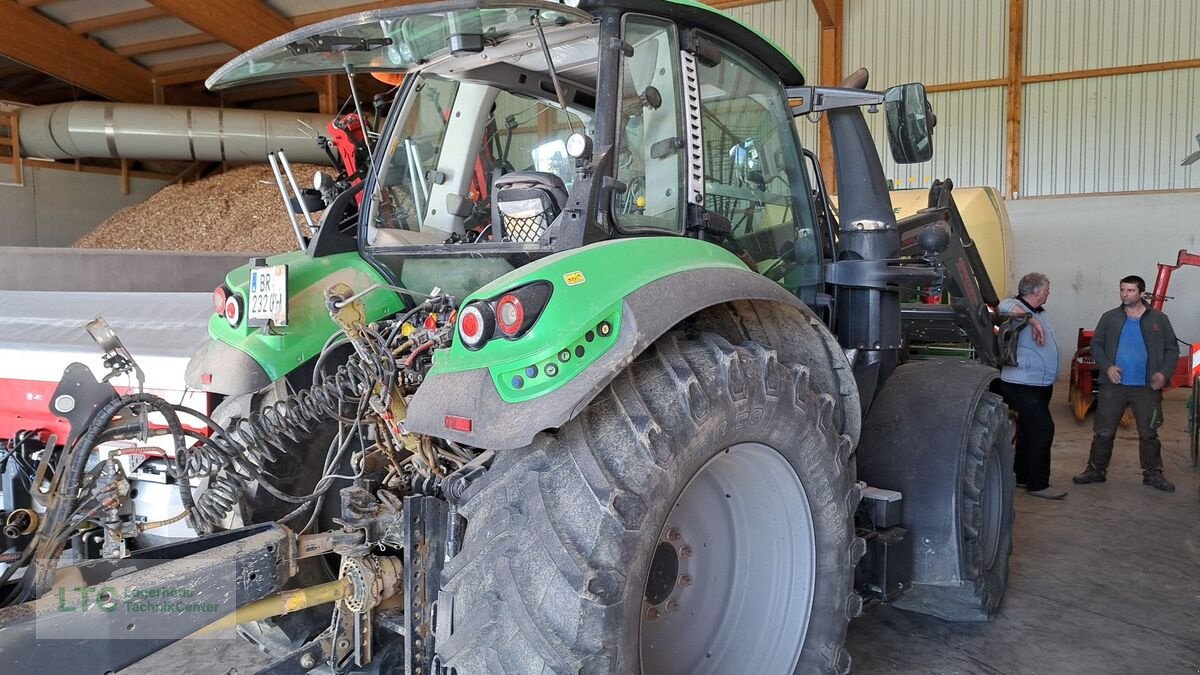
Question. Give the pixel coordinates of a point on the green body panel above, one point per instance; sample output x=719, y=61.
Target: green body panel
x=309, y=325
x=588, y=287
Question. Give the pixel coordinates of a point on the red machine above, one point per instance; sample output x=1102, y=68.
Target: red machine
x=1084, y=382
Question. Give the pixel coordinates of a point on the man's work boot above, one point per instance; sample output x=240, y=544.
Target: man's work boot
x=1089, y=475
x=1155, y=480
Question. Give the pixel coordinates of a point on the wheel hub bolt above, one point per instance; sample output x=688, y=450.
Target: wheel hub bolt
x=685, y=551
x=653, y=613
x=672, y=606
x=685, y=581
x=673, y=534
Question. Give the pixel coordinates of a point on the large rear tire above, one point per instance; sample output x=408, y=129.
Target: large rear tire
x=696, y=517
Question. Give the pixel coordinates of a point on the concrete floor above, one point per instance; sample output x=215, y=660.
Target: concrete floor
x=1105, y=581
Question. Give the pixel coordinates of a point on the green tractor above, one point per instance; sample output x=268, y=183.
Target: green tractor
x=586, y=375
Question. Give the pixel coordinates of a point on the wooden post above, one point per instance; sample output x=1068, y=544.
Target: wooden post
x=1016, y=67
x=829, y=12
x=13, y=142
x=14, y=130
x=124, y=176
x=327, y=99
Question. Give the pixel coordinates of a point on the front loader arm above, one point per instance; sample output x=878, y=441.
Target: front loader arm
x=972, y=293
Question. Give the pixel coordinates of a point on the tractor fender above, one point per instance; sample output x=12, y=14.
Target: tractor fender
x=914, y=441
x=243, y=358
x=646, y=314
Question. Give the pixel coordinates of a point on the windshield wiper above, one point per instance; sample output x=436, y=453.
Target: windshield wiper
x=335, y=44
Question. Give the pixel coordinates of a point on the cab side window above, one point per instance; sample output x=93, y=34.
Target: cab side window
x=753, y=173
x=650, y=158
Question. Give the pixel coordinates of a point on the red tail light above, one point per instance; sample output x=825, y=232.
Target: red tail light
x=510, y=314
x=218, y=297
x=475, y=324
x=233, y=310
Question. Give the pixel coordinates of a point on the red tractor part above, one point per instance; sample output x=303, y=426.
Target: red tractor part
x=1194, y=404
x=349, y=137
x=1085, y=380
x=1184, y=371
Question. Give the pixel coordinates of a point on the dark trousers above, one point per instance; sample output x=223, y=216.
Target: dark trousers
x=1035, y=432
x=1147, y=411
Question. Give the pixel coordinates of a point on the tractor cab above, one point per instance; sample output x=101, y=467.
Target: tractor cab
x=526, y=128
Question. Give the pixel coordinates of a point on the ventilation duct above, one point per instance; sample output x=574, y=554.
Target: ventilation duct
x=90, y=129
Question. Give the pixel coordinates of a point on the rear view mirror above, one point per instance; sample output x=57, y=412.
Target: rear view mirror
x=910, y=123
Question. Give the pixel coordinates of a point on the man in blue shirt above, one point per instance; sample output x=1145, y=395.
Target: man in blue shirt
x=1135, y=352
x=1028, y=385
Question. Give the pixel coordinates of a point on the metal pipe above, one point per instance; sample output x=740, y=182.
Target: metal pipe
x=287, y=207
x=287, y=169
x=414, y=170
x=279, y=604
x=134, y=131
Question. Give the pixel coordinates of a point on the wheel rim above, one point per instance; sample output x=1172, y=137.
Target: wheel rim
x=740, y=547
x=992, y=503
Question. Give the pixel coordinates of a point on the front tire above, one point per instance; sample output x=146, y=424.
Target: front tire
x=985, y=522
x=695, y=518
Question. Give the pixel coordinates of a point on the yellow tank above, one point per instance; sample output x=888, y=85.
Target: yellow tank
x=986, y=218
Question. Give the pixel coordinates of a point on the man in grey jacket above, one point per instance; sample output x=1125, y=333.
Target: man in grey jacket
x=1135, y=352
x=1028, y=386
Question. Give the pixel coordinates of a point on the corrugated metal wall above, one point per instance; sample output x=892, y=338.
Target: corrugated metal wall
x=1108, y=134
x=930, y=41
x=1062, y=35
x=971, y=45
x=1117, y=133
x=968, y=146
x=793, y=25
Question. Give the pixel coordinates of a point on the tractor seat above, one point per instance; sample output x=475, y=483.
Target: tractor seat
x=524, y=203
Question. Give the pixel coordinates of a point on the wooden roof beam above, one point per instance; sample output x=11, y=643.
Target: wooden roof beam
x=256, y=23
x=50, y=47
x=115, y=20
x=301, y=20
x=208, y=63
x=829, y=12
x=241, y=23
x=182, y=77
x=265, y=91
x=165, y=45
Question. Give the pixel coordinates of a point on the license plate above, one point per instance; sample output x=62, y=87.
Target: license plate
x=268, y=296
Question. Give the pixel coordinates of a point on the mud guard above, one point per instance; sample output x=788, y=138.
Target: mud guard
x=917, y=439
x=646, y=314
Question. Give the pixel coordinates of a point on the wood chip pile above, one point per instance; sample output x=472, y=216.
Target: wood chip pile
x=237, y=211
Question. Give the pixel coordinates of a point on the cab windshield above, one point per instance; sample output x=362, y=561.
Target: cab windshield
x=453, y=145
x=472, y=162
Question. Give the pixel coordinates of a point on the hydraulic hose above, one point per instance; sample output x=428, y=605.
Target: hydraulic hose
x=235, y=457
x=67, y=491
